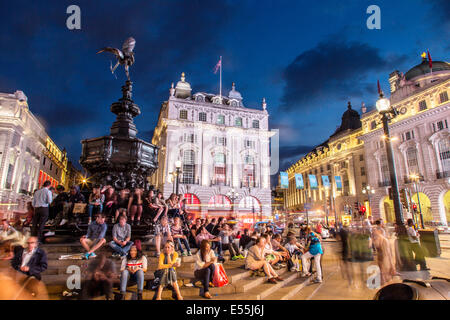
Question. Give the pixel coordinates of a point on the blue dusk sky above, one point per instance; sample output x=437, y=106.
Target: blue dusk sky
x=307, y=58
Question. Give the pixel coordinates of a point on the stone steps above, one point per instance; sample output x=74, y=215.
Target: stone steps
x=290, y=289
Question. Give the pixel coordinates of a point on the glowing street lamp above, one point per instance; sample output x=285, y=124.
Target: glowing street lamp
x=387, y=112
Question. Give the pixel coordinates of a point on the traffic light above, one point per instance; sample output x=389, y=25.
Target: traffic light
x=362, y=210
x=414, y=206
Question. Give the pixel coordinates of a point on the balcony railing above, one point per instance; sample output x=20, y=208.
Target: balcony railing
x=385, y=183
x=442, y=175
x=190, y=181
x=219, y=183
x=249, y=185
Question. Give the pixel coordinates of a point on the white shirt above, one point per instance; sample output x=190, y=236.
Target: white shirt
x=411, y=234
x=42, y=198
x=26, y=256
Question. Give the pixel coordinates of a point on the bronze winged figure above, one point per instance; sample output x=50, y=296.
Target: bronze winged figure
x=124, y=56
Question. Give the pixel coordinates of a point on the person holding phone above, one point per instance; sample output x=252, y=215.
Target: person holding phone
x=167, y=264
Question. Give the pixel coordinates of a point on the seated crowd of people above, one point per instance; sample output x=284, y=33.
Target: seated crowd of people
x=264, y=251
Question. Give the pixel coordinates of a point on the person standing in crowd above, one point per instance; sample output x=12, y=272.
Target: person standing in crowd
x=121, y=235
x=385, y=257
x=179, y=237
x=162, y=232
x=41, y=202
x=57, y=205
x=110, y=202
x=227, y=243
x=95, y=237
x=167, y=264
x=96, y=199
x=31, y=261
x=343, y=236
x=101, y=275
x=256, y=260
x=133, y=268
x=414, y=239
x=314, y=250
x=135, y=206
x=75, y=196
x=204, y=267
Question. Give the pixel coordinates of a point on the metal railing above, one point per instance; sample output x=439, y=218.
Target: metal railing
x=385, y=183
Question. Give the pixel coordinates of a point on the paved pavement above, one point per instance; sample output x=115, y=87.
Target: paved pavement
x=335, y=285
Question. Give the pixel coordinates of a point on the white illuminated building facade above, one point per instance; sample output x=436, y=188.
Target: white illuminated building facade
x=421, y=143
x=222, y=146
x=22, y=139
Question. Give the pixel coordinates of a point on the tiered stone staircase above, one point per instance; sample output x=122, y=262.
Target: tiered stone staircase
x=242, y=285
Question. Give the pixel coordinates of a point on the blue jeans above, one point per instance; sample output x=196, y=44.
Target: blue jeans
x=186, y=244
x=138, y=276
x=217, y=245
x=91, y=208
x=206, y=276
x=123, y=251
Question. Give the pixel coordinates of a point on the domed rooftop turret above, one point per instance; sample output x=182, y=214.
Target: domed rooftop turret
x=234, y=94
x=183, y=88
x=350, y=120
x=424, y=68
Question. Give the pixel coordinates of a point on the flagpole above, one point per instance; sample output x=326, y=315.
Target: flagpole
x=220, y=94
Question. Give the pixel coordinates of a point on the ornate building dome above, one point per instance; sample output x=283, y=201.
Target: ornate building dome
x=183, y=88
x=424, y=68
x=234, y=94
x=350, y=120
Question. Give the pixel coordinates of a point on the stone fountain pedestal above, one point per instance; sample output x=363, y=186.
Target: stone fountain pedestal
x=120, y=159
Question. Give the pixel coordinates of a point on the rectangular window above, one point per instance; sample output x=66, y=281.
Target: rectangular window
x=255, y=124
x=328, y=167
x=183, y=114
x=238, y=122
x=363, y=171
x=373, y=125
x=202, y=116
x=443, y=97
x=221, y=141
x=422, y=105
x=440, y=125
x=361, y=157
x=408, y=135
x=221, y=119
x=249, y=144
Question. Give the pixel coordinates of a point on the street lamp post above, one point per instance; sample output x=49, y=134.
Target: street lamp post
x=416, y=178
x=177, y=173
x=233, y=195
x=384, y=108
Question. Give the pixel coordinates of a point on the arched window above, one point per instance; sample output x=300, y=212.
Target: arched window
x=220, y=169
x=219, y=201
x=444, y=155
x=411, y=159
x=249, y=172
x=249, y=203
x=189, y=167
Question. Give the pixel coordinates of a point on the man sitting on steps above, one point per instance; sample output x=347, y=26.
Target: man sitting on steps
x=95, y=237
x=121, y=234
